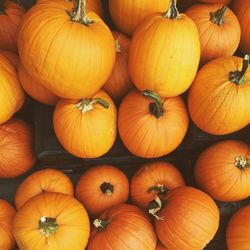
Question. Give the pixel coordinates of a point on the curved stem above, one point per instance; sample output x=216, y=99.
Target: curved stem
x=100, y=224
x=155, y=206
x=161, y=189
x=218, y=16
x=241, y=162
x=88, y=104
x=172, y=12
x=47, y=226
x=107, y=188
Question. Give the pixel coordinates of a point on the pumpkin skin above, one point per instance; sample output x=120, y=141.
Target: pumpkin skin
x=102, y=187
x=152, y=175
x=70, y=216
x=220, y=34
x=225, y=103
x=11, y=94
x=238, y=230
x=86, y=133
x=46, y=180
x=11, y=56
x=161, y=57
x=135, y=227
x=225, y=2
x=74, y=74
x=34, y=89
x=7, y=213
x=187, y=206
x=144, y=134
x=222, y=171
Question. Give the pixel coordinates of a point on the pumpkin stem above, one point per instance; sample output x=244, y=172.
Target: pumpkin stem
x=218, y=16
x=156, y=107
x=161, y=188
x=239, y=77
x=100, y=224
x=172, y=12
x=107, y=188
x=117, y=46
x=87, y=104
x=47, y=226
x=241, y=162
x=154, y=206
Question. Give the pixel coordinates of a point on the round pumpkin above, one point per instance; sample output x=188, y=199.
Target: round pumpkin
x=78, y=66
x=189, y=219
x=127, y=226
x=52, y=221
x=119, y=82
x=218, y=100
x=7, y=213
x=153, y=179
x=46, y=180
x=34, y=88
x=238, y=230
x=11, y=56
x=218, y=28
x=149, y=126
x=102, y=187
x=161, y=58
x=226, y=2
x=86, y=128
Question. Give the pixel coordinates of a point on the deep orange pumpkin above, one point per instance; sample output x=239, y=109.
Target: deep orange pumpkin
x=216, y=1
x=12, y=57
x=127, y=226
x=150, y=127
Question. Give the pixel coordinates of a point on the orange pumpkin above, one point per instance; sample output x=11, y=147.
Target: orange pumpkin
x=52, y=221
x=102, y=187
x=153, y=179
x=164, y=53
x=46, y=180
x=86, y=128
x=119, y=82
x=7, y=213
x=238, y=230
x=16, y=147
x=150, y=127
x=188, y=221
x=219, y=30
x=68, y=71
x=226, y=2
x=127, y=226
x=12, y=57
x=34, y=88
x=219, y=100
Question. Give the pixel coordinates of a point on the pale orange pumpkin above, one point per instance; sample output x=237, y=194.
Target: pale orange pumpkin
x=12, y=56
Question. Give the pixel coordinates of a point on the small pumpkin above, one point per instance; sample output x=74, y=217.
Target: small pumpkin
x=149, y=126
x=225, y=2
x=127, y=226
x=11, y=56
x=86, y=128
x=52, y=221
x=46, y=180
x=102, y=187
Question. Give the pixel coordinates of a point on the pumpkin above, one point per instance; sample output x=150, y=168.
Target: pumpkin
x=11, y=14
x=149, y=126
x=33, y=88
x=70, y=72
x=51, y=221
x=46, y=180
x=242, y=9
x=7, y=213
x=164, y=53
x=119, y=82
x=219, y=30
x=189, y=219
x=226, y=2
x=221, y=91
x=153, y=179
x=11, y=56
x=16, y=148
x=11, y=94
x=86, y=128
x=223, y=172
x=128, y=14
x=238, y=230
x=127, y=226
x=102, y=187
x=160, y=247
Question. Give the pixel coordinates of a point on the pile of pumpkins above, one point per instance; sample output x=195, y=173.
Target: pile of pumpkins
x=131, y=80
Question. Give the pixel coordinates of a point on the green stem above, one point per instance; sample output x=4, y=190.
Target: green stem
x=107, y=188
x=241, y=162
x=100, y=224
x=218, y=16
x=161, y=189
x=172, y=12
x=88, y=104
x=47, y=226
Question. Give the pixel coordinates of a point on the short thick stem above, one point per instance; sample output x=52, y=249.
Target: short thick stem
x=218, y=17
x=100, y=224
x=161, y=189
x=80, y=13
x=86, y=105
x=241, y=162
x=155, y=206
x=172, y=12
x=107, y=188
x=48, y=226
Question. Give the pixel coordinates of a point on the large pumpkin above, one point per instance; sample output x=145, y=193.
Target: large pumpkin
x=46, y=180
x=12, y=57
x=16, y=148
x=102, y=187
x=7, y=213
x=219, y=100
x=153, y=179
x=72, y=55
x=218, y=28
x=150, y=127
x=51, y=221
x=122, y=227
x=164, y=53
x=87, y=127
x=189, y=219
